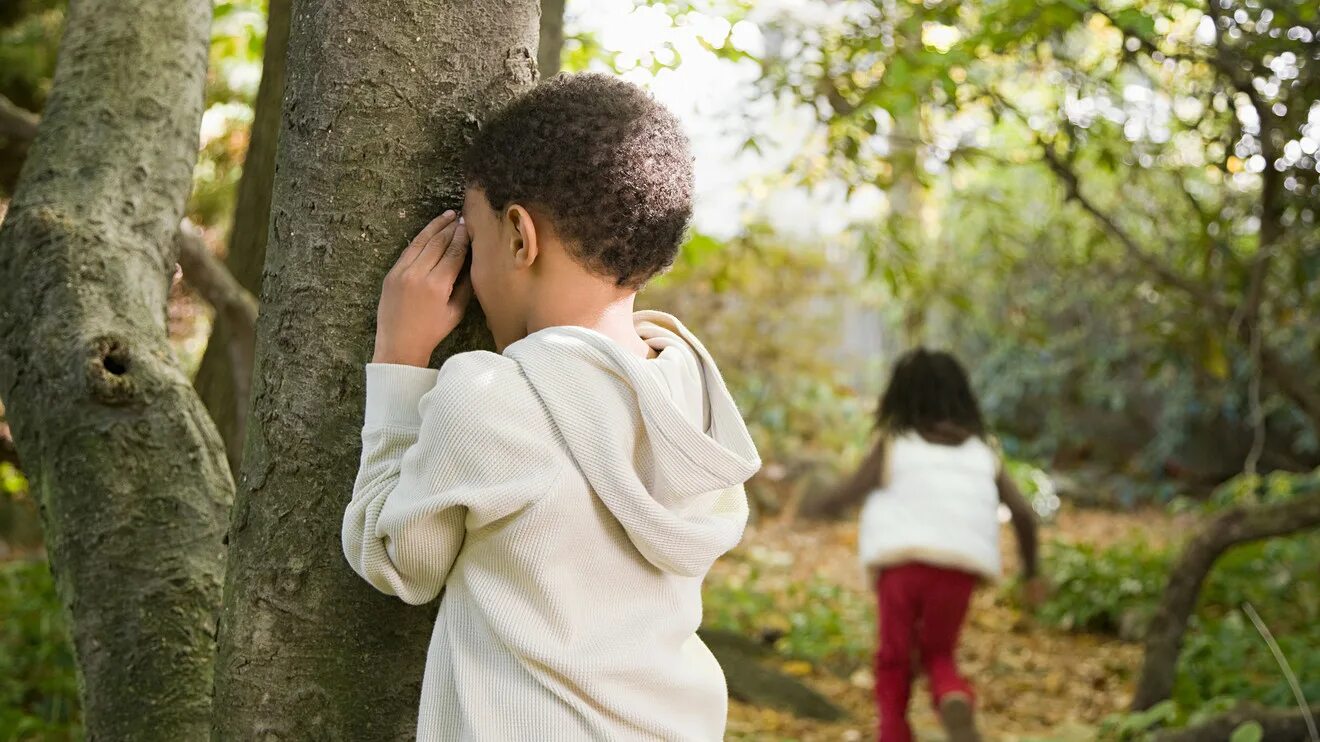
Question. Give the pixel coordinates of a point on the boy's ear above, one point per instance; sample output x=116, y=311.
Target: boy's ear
x=523, y=231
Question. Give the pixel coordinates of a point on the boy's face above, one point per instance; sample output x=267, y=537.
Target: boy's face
x=498, y=279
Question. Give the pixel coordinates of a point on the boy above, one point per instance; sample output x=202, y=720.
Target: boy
x=570, y=493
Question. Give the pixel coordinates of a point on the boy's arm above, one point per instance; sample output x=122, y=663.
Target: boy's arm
x=1024, y=522
x=863, y=481
x=440, y=453
x=389, y=435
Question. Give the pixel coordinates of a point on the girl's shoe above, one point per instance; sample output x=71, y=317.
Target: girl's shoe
x=956, y=715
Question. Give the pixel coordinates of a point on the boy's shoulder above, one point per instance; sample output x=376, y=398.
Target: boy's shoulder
x=483, y=380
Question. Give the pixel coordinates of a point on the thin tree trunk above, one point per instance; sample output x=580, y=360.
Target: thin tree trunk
x=224, y=376
x=127, y=467
x=550, y=50
x=1235, y=526
x=380, y=104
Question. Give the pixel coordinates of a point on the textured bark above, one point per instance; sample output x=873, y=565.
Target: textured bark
x=550, y=50
x=1235, y=526
x=1277, y=725
x=380, y=103
x=125, y=463
x=221, y=380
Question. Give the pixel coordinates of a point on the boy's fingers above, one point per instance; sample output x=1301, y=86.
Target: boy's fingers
x=418, y=244
x=435, y=248
x=449, y=265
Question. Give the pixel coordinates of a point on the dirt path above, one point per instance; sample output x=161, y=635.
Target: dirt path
x=1034, y=683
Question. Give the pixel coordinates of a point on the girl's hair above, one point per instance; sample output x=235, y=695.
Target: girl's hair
x=929, y=394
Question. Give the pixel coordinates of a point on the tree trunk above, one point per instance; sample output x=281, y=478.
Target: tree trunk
x=1232, y=527
x=225, y=373
x=380, y=104
x=550, y=50
x=125, y=463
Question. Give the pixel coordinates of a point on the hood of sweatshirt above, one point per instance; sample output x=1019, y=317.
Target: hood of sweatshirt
x=659, y=440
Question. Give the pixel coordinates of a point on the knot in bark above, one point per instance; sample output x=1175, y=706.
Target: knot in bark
x=109, y=367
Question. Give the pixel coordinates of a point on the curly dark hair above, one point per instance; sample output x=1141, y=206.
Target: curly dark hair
x=608, y=165
x=929, y=394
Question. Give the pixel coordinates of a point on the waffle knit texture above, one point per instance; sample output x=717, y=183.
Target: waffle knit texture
x=568, y=498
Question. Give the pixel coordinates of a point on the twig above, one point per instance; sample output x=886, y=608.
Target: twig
x=1285, y=667
x=221, y=290
x=17, y=123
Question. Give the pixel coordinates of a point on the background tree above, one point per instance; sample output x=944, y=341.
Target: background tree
x=550, y=49
x=126, y=464
x=366, y=157
x=224, y=377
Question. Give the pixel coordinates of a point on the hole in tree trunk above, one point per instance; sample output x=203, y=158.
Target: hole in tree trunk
x=116, y=361
x=108, y=371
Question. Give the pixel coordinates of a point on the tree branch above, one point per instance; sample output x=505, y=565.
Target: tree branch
x=1072, y=186
x=17, y=124
x=1230, y=528
x=1277, y=725
x=222, y=291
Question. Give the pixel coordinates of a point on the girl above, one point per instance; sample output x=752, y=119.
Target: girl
x=930, y=532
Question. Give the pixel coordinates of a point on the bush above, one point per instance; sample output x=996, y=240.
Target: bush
x=814, y=621
x=38, y=679
x=1224, y=659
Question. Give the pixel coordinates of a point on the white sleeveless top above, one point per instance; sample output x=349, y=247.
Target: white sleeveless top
x=938, y=505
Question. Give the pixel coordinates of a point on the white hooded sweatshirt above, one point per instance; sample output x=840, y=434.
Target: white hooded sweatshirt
x=568, y=497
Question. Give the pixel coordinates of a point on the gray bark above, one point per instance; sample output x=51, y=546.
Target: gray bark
x=550, y=50
x=127, y=467
x=379, y=105
x=224, y=376
x=1235, y=526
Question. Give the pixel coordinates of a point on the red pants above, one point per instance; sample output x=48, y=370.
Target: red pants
x=921, y=609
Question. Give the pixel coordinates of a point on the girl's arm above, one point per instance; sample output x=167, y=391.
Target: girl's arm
x=1024, y=522
x=867, y=477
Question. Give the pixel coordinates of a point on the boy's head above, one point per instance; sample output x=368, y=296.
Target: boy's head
x=583, y=184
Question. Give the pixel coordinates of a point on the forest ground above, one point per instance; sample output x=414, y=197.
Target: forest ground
x=1033, y=682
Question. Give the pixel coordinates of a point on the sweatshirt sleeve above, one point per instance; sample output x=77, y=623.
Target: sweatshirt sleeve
x=442, y=452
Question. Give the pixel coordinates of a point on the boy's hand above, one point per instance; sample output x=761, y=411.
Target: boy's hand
x=419, y=302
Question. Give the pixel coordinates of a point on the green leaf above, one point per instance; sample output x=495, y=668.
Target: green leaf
x=1250, y=731
x=1134, y=22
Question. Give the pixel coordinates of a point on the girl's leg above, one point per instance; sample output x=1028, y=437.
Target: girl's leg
x=945, y=598
x=893, y=659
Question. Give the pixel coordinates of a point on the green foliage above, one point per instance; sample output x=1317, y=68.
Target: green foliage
x=1250, y=731
x=238, y=35
x=29, y=37
x=12, y=482
x=760, y=305
x=1191, y=136
x=1110, y=591
x=1224, y=659
x=1035, y=484
x=1136, y=725
x=1256, y=489
x=815, y=621
x=38, y=680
